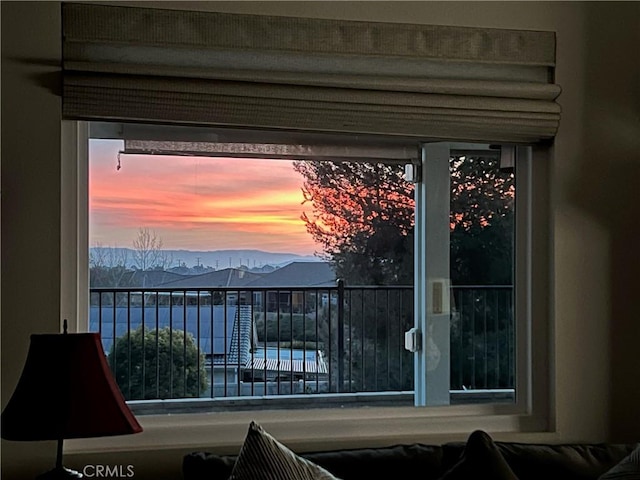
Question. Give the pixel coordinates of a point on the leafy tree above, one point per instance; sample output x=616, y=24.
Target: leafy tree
x=482, y=222
x=363, y=219
x=158, y=364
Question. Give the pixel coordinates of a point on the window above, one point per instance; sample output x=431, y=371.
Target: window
x=333, y=326
x=420, y=93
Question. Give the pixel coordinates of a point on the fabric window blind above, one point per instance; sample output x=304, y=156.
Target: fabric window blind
x=202, y=68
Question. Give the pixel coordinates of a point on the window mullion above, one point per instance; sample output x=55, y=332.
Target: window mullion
x=432, y=370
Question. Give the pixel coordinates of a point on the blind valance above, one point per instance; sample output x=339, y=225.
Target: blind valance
x=205, y=68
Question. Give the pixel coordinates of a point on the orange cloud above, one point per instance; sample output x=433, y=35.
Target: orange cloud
x=196, y=203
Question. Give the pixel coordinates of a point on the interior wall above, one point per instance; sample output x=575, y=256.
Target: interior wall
x=30, y=202
x=593, y=283
x=606, y=185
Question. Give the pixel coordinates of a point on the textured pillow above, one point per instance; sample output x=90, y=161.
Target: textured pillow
x=627, y=469
x=262, y=457
x=480, y=459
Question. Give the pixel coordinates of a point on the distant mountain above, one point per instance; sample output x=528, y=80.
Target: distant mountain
x=217, y=259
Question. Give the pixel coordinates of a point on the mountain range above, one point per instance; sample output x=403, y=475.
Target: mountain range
x=217, y=259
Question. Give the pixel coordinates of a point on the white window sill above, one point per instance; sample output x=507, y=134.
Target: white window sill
x=317, y=429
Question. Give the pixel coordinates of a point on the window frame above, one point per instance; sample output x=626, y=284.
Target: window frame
x=340, y=427
x=441, y=152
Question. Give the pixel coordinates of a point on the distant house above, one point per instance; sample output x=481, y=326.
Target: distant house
x=276, y=289
x=150, y=278
x=228, y=277
x=281, y=287
x=298, y=274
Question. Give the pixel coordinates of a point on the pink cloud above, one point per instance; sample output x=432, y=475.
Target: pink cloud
x=195, y=202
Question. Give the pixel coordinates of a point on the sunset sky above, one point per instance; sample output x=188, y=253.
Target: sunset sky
x=196, y=203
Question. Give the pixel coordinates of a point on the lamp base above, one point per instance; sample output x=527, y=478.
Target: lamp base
x=60, y=473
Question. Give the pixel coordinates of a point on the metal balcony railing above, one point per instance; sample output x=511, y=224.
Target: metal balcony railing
x=259, y=342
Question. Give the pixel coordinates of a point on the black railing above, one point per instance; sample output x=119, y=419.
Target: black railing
x=248, y=342
x=482, y=338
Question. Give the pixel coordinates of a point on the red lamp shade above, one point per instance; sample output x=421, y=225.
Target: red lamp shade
x=66, y=391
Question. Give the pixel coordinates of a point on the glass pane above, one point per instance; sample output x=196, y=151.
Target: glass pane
x=223, y=276
x=482, y=242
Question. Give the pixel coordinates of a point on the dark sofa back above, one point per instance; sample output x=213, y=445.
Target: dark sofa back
x=570, y=461
x=417, y=461
x=429, y=462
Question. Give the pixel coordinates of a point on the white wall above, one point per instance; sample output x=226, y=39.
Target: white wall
x=594, y=181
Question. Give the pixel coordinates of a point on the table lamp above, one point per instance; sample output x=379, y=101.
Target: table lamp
x=66, y=390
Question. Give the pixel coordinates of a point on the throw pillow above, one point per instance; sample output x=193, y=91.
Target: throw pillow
x=262, y=457
x=480, y=459
x=627, y=469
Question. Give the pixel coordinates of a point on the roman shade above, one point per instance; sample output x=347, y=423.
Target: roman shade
x=203, y=68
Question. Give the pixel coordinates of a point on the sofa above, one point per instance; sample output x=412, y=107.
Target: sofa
x=262, y=457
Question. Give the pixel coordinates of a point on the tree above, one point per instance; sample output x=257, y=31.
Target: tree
x=147, y=251
x=482, y=222
x=108, y=267
x=363, y=219
x=158, y=364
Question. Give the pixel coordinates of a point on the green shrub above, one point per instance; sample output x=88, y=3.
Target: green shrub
x=172, y=367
